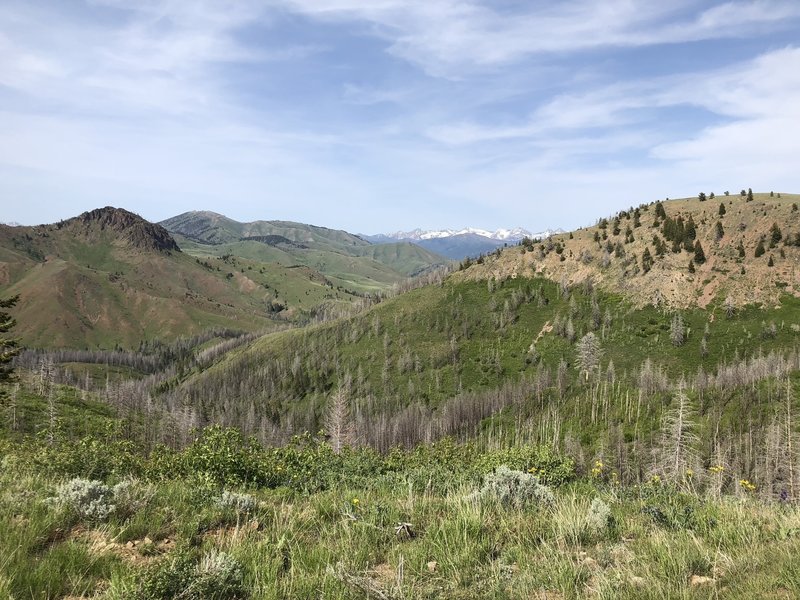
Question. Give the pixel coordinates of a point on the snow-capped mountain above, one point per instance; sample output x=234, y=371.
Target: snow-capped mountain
x=459, y=243
x=501, y=235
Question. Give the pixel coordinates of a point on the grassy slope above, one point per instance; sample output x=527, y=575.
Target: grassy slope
x=493, y=344
x=97, y=291
x=339, y=542
x=347, y=260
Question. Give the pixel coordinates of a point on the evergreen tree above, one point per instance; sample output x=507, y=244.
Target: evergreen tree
x=760, y=250
x=701, y=196
x=749, y=194
x=740, y=247
x=720, y=231
x=647, y=260
x=691, y=266
x=699, y=255
x=722, y=209
x=9, y=346
x=660, y=212
x=771, y=262
x=775, y=235
x=690, y=230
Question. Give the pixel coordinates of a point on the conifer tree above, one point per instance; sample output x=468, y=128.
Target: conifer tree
x=699, y=255
x=722, y=209
x=9, y=346
x=647, y=260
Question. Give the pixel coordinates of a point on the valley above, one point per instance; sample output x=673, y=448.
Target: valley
x=616, y=394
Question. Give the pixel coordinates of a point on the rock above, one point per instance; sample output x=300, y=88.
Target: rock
x=432, y=565
x=698, y=580
x=147, y=541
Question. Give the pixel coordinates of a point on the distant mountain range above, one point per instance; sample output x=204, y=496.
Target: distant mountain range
x=348, y=261
x=459, y=243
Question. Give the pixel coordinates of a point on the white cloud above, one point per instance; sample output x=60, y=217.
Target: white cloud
x=446, y=37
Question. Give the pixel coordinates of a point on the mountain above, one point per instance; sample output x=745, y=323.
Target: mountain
x=519, y=316
x=612, y=253
x=109, y=277
x=347, y=260
x=459, y=244
x=502, y=235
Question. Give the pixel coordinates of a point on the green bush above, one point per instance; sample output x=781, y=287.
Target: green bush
x=216, y=576
x=542, y=461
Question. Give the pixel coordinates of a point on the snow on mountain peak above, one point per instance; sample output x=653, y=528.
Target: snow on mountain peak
x=502, y=235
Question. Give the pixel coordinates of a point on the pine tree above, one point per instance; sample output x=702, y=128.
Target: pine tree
x=719, y=230
x=690, y=230
x=722, y=210
x=691, y=266
x=699, y=255
x=775, y=235
x=9, y=346
x=760, y=250
x=749, y=194
x=647, y=260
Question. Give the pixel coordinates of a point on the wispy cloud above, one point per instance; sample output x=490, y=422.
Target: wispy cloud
x=393, y=113
x=447, y=36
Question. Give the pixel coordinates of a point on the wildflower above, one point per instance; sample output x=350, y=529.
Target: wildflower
x=747, y=486
x=354, y=501
x=597, y=470
x=716, y=469
x=655, y=479
x=689, y=473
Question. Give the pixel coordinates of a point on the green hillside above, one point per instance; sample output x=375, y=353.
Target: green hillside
x=347, y=260
x=110, y=278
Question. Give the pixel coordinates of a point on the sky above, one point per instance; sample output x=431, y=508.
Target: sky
x=384, y=115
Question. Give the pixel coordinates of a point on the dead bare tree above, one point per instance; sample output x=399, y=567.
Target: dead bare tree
x=338, y=424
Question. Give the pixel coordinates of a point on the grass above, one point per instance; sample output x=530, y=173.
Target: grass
x=341, y=542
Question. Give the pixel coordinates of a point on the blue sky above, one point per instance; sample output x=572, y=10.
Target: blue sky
x=381, y=115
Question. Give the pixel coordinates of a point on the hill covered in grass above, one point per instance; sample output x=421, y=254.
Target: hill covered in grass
x=85, y=513
x=109, y=277
x=347, y=260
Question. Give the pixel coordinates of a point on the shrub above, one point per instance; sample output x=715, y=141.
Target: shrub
x=216, y=576
x=551, y=468
x=598, y=518
x=515, y=489
x=238, y=503
x=89, y=499
x=131, y=496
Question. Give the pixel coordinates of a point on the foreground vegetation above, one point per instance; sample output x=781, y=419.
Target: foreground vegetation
x=226, y=518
